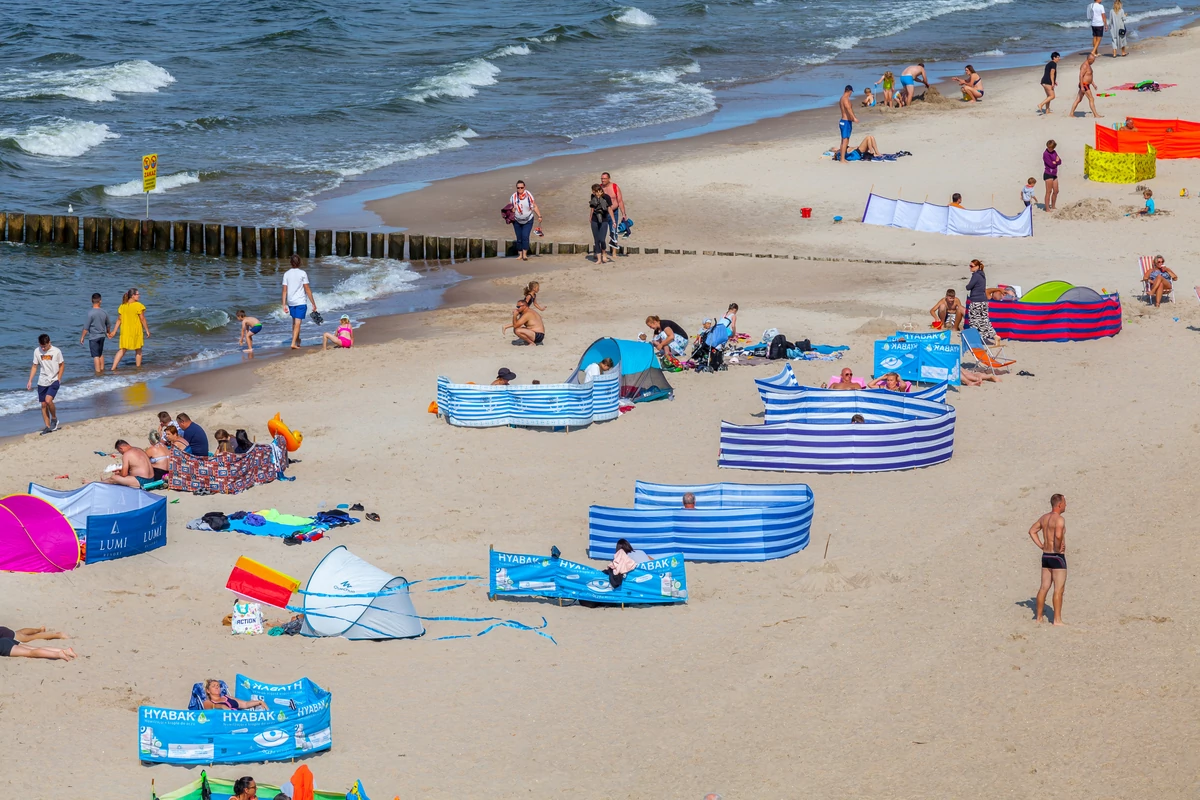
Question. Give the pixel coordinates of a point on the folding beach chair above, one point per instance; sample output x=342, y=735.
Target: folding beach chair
x=990, y=356
x=1145, y=266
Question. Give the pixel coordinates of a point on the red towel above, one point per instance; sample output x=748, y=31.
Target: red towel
x=302, y=783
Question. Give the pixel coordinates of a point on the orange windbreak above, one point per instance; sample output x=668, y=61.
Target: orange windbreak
x=1172, y=138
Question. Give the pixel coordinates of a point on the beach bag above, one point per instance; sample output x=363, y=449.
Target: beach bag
x=509, y=214
x=216, y=520
x=247, y=618
x=718, y=336
x=778, y=348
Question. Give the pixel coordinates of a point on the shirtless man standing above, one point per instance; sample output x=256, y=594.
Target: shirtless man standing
x=846, y=125
x=1086, y=79
x=528, y=327
x=135, y=471
x=908, y=80
x=1049, y=533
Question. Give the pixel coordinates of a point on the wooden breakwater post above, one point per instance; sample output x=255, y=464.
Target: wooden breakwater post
x=395, y=246
x=146, y=235
x=459, y=249
x=89, y=234
x=302, y=243
x=3, y=226
x=285, y=242
x=179, y=241
x=118, y=235
x=474, y=248
x=196, y=238
x=16, y=228
x=358, y=244
x=266, y=242
x=58, y=229
x=133, y=234
x=324, y=243
x=162, y=236
x=377, y=245
x=249, y=242
x=230, y=234
x=212, y=239
x=416, y=247
x=341, y=243
x=491, y=248
x=443, y=248
x=104, y=229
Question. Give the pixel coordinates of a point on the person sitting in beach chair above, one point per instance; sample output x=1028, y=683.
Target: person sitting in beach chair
x=1157, y=279
x=215, y=694
x=988, y=356
x=891, y=382
x=1002, y=292
x=847, y=381
x=949, y=307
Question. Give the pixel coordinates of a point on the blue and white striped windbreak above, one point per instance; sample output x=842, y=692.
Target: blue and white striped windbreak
x=799, y=403
x=731, y=522
x=541, y=406
x=785, y=379
x=900, y=432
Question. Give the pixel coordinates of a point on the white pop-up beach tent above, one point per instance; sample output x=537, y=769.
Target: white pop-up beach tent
x=348, y=597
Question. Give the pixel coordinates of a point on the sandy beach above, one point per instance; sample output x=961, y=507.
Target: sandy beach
x=904, y=664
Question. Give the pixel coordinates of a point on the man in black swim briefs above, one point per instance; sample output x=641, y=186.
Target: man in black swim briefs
x=528, y=325
x=12, y=644
x=1049, y=533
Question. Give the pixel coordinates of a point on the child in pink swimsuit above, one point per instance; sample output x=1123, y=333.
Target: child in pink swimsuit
x=342, y=337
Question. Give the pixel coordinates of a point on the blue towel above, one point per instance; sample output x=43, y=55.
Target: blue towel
x=267, y=528
x=829, y=349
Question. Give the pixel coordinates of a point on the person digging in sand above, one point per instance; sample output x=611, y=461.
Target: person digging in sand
x=528, y=326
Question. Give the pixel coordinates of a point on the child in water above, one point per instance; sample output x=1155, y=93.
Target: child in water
x=250, y=326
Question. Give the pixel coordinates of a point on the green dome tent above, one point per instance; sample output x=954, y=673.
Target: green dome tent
x=1047, y=292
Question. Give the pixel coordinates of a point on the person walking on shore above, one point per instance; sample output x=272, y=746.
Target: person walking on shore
x=296, y=298
x=602, y=222
x=908, y=81
x=1050, y=163
x=131, y=323
x=1096, y=17
x=846, y=125
x=618, y=204
x=524, y=209
x=48, y=367
x=96, y=329
x=1049, y=533
x=1116, y=28
x=1049, y=82
x=1086, y=81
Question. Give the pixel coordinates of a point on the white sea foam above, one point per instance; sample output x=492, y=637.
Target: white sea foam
x=461, y=80
x=647, y=97
x=512, y=50
x=62, y=137
x=996, y=52
x=382, y=156
x=207, y=354
x=635, y=16
x=18, y=401
x=94, y=84
x=165, y=183
x=363, y=285
x=906, y=15
x=1158, y=12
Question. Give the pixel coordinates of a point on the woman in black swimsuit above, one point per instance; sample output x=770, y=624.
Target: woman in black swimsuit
x=214, y=699
x=1049, y=81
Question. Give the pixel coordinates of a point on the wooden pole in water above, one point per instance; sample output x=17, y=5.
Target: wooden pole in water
x=377, y=241
x=146, y=237
x=285, y=242
x=396, y=246
x=475, y=248
x=416, y=247
x=162, y=236
x=266, y=242
x=179, y=238
x=302, y=243
x=16, y=227
x=71, y=233
x=459, y=249
x=510, y=248
x=196, y=238
x=443, y=248
x=230, y=234
x=358, y=244
x=133, y=234
x=58, y=229
x=491, y=247
x=324, y=243
x=341, y=243
x=89, y=234
x=118, y=235
x=249, y=242
x=3, y=226
x=212, y=239
x=104, y=234
x=45, y=229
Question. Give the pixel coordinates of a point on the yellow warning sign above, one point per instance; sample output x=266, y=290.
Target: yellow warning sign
x=149, y=172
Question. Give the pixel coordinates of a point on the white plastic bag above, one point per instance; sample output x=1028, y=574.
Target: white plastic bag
x=247, y=618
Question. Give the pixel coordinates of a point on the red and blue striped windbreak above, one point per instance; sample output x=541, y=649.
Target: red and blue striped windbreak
x=1056, y=322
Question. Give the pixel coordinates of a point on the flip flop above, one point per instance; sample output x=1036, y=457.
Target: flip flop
x=356, y=507
x=1027, y=374
x=373, y=517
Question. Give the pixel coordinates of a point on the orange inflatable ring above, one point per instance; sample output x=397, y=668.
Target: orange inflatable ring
x=293, y=438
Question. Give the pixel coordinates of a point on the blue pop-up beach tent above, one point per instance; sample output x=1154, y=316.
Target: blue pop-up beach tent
x=642, y=378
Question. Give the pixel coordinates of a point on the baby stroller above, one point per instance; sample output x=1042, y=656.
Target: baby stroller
x=709, y=351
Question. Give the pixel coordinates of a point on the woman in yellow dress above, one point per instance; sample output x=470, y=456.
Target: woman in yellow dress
x=131, y=321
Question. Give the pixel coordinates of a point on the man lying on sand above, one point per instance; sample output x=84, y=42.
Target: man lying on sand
x=12, y=644
x=528, y=326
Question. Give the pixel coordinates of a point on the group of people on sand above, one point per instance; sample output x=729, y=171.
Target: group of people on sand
x=670, y=340
x=894, y=97
x=606, y=218
x=142, y=467
x=527, y=323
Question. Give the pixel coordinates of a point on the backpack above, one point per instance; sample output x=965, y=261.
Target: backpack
x=778, y=347
x=509, y=214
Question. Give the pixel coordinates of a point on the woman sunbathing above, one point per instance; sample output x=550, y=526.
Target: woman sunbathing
x=890, y=381
x=1159, y=280
x=867, y=147
x=214, y=699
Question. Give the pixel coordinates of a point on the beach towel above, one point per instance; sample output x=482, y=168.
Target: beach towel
x=302, y=783
x=1142, y=86
x=268, y=528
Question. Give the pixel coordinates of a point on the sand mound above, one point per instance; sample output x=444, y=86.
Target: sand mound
x=826, y=578
x=1091, y=209
x=877, y=327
